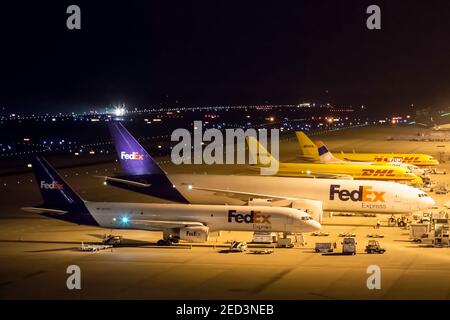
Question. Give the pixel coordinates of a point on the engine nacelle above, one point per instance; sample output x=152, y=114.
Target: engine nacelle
x=312, y=207
x=194, y=234
x=260, y=202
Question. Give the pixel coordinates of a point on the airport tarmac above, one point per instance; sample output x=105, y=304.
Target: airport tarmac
x=35, y=251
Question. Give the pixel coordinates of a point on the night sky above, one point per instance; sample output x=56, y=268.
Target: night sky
x=223, y=52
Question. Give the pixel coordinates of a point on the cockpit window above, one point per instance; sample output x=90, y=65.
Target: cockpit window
x=307, y=218
x=421, y=195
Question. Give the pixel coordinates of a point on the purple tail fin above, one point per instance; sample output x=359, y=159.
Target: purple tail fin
x=142, y=173
x=58, y=196
x=132, y=156
x=54, y=190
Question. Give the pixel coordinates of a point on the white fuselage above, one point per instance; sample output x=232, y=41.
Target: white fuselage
x=216, y=217
x=336, y=195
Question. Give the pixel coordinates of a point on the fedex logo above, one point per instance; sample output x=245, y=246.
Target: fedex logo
x=55, y=185
x=131, y=156
x=377, y=173
x=253, y=217
x=364, y=194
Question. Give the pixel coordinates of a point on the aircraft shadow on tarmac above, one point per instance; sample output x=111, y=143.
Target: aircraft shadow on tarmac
x=125, y=243
x=336, y=254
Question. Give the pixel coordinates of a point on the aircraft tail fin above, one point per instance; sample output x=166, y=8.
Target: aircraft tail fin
x=60, y=200
x=54, y=190
x=325, y=155
x=142, y=173
x=307, y=147
x=133, y=158
x=258, y=153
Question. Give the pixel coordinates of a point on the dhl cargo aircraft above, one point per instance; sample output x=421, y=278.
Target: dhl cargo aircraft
x=143, y=175
x=356, y=171
x=325, y=156
x=310, y=151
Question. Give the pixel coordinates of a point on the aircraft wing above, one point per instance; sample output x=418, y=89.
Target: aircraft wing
x=325, y=175
x=164, y=224
x=244, y=196
x=311, y=174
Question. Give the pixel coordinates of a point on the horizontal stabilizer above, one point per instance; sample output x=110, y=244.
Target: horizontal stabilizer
x=128, y=182
x=43, y=210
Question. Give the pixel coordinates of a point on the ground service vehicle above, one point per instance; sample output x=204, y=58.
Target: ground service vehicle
x=324, y=247
x=374, y=247
x=349, y=246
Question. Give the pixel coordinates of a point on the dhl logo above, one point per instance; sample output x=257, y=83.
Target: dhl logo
x=308, y=146
x=398, y=159
x=377, y=173
x=363, y=193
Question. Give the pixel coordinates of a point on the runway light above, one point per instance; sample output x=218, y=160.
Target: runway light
x=190, y=186
x=105, y=183
x=29, y=165
x=124, y=220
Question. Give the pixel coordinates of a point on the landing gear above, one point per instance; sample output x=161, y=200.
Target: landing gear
x=169, y=236
x=164, y=242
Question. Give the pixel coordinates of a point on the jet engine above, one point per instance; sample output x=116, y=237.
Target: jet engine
x=312, y=207
x=194, y=234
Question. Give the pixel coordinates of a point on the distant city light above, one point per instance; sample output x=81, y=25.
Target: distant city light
x=119, y=112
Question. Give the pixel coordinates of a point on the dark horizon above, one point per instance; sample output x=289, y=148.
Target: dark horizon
x=224, y=53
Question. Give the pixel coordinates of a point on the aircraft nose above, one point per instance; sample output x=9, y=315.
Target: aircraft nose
x=431, y=202
x=427, y=203
x=314, y=225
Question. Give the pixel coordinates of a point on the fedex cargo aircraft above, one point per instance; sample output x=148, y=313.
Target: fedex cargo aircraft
x=314, y=196
x=177, y=221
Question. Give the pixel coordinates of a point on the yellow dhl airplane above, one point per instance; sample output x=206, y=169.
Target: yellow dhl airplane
x=337, y=171
x=309, y=151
